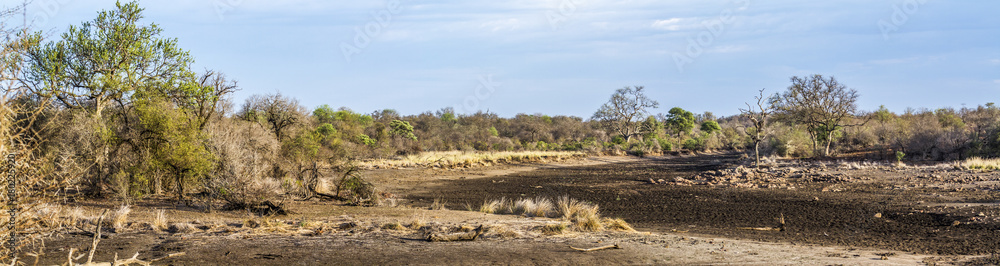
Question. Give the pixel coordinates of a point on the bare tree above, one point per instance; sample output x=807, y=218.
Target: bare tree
x=758, y=117
x=623, y=112
x=274, y=111
x=823, y=105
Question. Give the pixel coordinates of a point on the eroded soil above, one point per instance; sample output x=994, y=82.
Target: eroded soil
x=926, y=210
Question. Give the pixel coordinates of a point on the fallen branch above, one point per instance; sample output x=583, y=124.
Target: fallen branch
x=615, y=246
x=470, y=236
x=169, y=256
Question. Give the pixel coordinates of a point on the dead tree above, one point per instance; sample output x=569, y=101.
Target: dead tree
x=758, y=117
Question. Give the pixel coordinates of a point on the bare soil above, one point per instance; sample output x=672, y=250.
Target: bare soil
x=687, y=209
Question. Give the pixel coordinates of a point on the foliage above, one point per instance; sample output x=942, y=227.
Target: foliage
x=710, y=127
x=680, y=121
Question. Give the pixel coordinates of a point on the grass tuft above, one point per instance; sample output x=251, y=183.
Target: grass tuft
x=617, y=224
x=555, y=229
x=160, y=222
x=119, y=218
x=977, y=163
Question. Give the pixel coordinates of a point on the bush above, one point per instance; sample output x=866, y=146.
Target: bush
x=693, y=144
x=665, y=145
x=618, y=140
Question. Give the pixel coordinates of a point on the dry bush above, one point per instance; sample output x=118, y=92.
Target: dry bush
x=357, y=189
x=246, y=154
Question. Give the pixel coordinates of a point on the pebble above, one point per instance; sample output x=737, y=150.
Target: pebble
x=878, y=215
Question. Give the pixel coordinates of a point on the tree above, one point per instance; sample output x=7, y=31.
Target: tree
x=402, y=129
x=680, y=120
x=823, y=105
x=758, y=118
x=621, y=114
x=101, y=65
x=274, y=111
x=106, y=60
x=710, y=126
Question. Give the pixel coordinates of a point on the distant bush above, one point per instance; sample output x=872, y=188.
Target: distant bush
x=619, y=140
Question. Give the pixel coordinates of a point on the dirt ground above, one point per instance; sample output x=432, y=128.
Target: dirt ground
x=687, y=210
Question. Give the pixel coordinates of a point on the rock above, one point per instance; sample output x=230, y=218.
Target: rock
x=878, y=215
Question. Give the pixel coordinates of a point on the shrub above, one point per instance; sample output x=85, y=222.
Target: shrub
x=618, y=140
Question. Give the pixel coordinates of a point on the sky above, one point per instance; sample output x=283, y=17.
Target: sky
x=566, y=57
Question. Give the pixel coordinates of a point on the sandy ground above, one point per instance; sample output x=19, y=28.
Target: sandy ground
x=324, y=233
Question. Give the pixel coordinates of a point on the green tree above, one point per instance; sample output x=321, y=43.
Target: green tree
x=710, y=126
x=680, y=121
x=106, y=60
x=104, y=63
x=403, y=129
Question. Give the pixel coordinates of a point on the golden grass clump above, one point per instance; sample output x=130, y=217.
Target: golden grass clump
x=977, y=163
x=416, y=224
x=538, y=207
x=119, y=219
x=494, y=206
x=617, y=224
x=160, y=221
x=555, y=229
x=394, y=226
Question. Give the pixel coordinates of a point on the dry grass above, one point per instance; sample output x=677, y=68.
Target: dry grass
x=439, y=205
x=494, y=206
x=538, y=207
x=119, y=218
x=466, y=159
x=160, y=221
x=617, y=224
x=555, y=229
x=416, y=224
x=394, y=226
x=977, y=163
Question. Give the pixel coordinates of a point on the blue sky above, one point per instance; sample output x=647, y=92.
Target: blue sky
x=566, y=57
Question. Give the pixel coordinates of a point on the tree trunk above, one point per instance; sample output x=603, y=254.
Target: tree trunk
x=829, y=140
x=756, y=152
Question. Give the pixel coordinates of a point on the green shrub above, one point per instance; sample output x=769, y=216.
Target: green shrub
x=619, y=140
x=665, y=145
x=692, y=144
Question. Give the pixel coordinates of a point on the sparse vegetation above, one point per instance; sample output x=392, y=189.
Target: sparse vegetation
x=977, y=163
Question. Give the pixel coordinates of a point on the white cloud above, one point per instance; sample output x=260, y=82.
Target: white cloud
x=673, y=24
x=995, y=61
x=997, y=81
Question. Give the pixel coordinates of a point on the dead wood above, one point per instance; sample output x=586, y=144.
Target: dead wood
x=470, y=236
x=615, y=246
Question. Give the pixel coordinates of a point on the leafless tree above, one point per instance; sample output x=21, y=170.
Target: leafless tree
x=624, y=111
x=823, y=105
x=274, y=111
x=758, y=118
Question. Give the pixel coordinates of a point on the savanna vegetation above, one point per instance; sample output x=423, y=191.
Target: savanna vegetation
x=112, y=109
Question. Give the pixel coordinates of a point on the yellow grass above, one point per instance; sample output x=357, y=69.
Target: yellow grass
x=160, y=222
x=976, y=163
x=119, y=219
x=452, y=159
